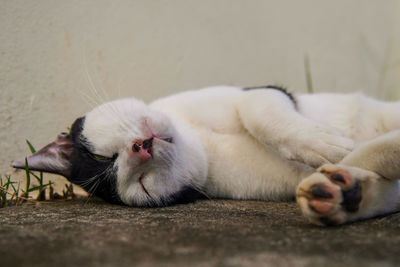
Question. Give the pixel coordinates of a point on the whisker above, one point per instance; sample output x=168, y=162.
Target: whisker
x=90, y=80
x=95, y=182
x=90, y=101
x=93, y=187
x=91, y=179
x=93, y=88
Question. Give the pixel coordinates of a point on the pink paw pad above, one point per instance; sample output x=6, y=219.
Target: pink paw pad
x=340, y=177
x=321, y=207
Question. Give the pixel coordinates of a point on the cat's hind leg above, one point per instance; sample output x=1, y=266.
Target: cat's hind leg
x=365, y=184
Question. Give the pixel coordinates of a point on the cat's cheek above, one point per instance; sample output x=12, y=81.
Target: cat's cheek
x=164, y=150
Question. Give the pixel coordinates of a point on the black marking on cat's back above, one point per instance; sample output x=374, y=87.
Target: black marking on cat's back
x=85, y=167
x=275, y=87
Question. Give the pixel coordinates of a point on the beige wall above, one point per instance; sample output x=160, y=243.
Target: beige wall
x=150, y=49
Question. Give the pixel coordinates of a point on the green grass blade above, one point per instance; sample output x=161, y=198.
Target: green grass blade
x=31, y=147
x=307, y=69
x=16, y=190
x=33, y=150
x=8, y=183
x=28, y=176
x=39, y=187
x=36, y=177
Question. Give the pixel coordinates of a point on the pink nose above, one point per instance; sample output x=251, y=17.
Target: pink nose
x=143, y=149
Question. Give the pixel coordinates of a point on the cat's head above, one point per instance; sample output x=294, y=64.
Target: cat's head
x=127, y=153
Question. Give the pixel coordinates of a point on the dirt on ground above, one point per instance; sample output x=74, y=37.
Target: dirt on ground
x=205, y=233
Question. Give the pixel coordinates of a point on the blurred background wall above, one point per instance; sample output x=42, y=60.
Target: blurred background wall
x=51, y=52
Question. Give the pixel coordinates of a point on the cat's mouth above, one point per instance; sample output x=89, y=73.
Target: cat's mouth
x=142, y=176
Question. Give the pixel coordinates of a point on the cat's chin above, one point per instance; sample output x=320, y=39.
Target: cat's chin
x=186, y=194
x=158, y=190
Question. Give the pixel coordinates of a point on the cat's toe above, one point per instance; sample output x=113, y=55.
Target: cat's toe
x=337, y=175
x=350, y=186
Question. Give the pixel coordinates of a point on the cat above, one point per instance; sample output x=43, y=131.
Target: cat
x=338, y=153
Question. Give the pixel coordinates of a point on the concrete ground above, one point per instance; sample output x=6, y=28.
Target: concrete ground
x=206, y=233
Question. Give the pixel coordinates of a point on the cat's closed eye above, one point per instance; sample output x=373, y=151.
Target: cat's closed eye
x=101, y=157
x=169, y=140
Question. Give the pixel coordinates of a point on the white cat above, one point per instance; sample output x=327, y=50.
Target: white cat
x=254, y=143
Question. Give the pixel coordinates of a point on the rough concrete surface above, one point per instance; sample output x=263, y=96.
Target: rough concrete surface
x=205, y=233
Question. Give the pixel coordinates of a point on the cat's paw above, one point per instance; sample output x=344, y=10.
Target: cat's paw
x=333, y=194
x=316, y=145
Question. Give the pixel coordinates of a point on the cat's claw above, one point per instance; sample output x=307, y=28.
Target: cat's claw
x=330, y=196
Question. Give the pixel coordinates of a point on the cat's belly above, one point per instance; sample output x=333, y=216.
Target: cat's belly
x=240, y=167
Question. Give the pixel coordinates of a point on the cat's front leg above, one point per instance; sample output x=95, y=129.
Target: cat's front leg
x=338, y=194
x=271, y=117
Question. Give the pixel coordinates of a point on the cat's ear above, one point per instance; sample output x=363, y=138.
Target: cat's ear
x=53, y=158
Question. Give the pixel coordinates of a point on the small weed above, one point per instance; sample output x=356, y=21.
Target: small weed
x=8, y=198
x=10, y=191
x=69, y=192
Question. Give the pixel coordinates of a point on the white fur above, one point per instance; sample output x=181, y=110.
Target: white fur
x=234, y=143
